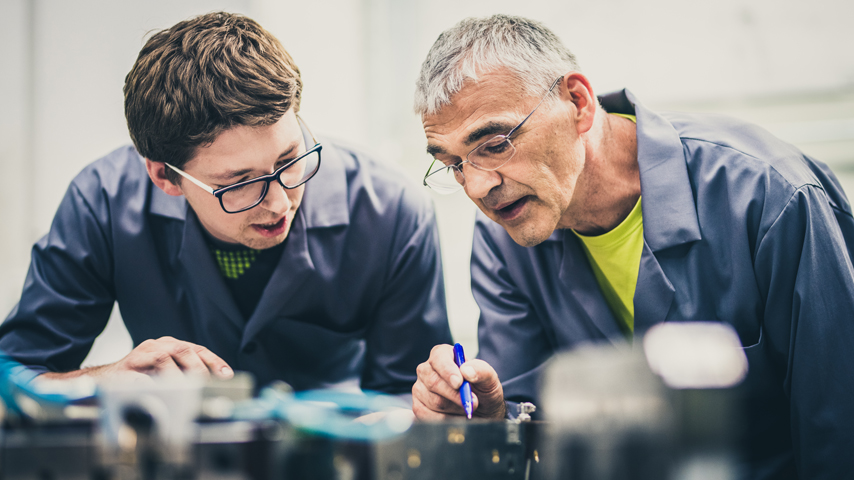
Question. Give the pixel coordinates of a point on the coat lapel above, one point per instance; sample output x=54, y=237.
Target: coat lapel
x=205, y=280
x=653, y=294
x=293, y=269
x=669, y=210
x=581, y=285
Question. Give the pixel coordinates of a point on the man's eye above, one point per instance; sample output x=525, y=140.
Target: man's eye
x=496, y=149
x=243, y=179
x=286, y=161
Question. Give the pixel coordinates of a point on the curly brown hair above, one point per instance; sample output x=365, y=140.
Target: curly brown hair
x=202, y=76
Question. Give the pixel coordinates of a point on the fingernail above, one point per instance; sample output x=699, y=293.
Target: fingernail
x=469, y=373
x=228, y=372
x=456, y=381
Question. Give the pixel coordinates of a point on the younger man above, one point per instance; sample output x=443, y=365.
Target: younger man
x=217, y=250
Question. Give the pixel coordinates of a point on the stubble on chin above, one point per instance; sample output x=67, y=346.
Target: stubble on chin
x=526, y=237
x=529, y=232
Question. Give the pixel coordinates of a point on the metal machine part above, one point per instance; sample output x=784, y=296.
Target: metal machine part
x=656, y=412
x=525, y=411
x=462, y=450
x=661, y=411
x=273, y=450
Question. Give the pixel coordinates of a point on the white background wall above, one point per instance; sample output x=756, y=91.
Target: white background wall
x=784, y=64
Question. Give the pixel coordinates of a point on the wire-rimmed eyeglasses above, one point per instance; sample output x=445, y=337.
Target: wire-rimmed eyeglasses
x=488, y=156
x=242, y=196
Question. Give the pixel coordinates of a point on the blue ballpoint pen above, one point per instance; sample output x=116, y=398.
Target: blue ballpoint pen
x=465, y=388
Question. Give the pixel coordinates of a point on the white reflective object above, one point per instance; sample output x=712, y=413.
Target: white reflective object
x=695, y=354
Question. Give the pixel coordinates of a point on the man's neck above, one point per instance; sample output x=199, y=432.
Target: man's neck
x=609, y=185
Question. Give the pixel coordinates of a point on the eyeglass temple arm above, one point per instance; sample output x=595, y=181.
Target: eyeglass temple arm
x=188, y=177
x=509, y=134
x=429, y=167
x=302, y=122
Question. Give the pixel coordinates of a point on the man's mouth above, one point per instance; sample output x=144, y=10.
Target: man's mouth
x=272, y=229
x=512, y=210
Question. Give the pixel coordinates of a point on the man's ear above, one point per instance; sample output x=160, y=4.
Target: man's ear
x=157, y=173
x=575, y=88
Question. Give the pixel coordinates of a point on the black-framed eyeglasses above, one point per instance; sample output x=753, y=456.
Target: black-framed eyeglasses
x=242, y=196
x=488, y=156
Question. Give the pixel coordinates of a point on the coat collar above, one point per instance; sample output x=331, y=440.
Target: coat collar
x=669, y=209
x=324, y=203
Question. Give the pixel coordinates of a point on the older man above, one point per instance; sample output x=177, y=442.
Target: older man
x=600, y=218
x=225, y=240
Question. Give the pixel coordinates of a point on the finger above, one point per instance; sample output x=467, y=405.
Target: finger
x=442, y=361
x=487, y=392
x=185, y=356
x=434, y=383
x=425, y=414
x=481, y=375
x=215, y=364
x=435, y=402
x=164, y=365
x=148, y=358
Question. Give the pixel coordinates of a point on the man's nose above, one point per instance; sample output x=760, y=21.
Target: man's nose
x=277, y=199
x=480, y=182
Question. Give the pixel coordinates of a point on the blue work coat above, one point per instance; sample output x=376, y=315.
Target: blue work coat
x=739, y=227
x=357, y=296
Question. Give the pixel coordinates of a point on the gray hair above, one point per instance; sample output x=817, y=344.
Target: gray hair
x=477, y=46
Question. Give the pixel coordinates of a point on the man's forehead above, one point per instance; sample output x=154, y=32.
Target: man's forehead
x=472, y=135
x=491, y=106
x=468, y=129
x=226, y=160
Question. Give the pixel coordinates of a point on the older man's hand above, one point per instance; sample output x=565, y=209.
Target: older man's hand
x=436, y=393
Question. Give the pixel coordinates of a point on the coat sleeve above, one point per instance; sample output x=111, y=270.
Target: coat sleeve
x=68, y=293
x=511, y=336
x=805, y=273
x=411, y=315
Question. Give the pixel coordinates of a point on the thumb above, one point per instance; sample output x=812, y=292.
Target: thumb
x=483, y=379
x=481, y=373
x=486, y=387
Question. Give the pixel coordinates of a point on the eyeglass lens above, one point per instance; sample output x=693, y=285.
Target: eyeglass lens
x=445, y=179
x=251, y=194
x=490, y=155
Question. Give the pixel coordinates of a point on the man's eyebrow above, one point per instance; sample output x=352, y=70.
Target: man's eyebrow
x=434, y=149
x=232, y=174
x=490, y=128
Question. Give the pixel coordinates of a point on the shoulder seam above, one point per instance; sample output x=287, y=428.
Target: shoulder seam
x=730, y=147
x=91, y=211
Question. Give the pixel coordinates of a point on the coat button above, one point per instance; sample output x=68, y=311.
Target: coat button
x=250, y=347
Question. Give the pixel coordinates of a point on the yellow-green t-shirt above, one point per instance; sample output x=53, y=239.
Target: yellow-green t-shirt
x=615, y=259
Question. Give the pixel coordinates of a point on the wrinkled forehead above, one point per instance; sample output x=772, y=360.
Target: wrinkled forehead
x=491, y=106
